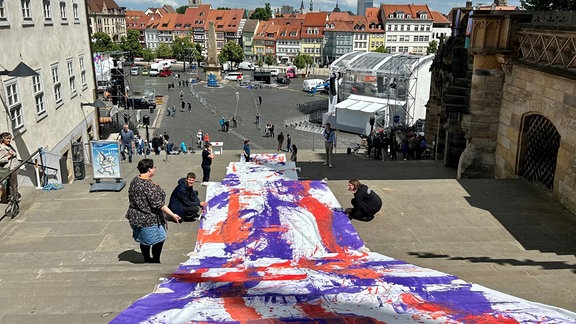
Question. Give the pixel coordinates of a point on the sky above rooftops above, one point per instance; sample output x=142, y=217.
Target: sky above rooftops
x=442, y=6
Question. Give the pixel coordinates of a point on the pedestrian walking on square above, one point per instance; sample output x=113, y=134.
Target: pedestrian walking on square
x=288, y=143
x=329, y=143
x=127, y=142
x=147, y=212
x=280, y=139
x=227, y=125
x=294, y=155
x=246, y=151
x=260, y=100
x=257, y=118
x=207, y=156
x=234, y=121
x=221, y=122
x=189, y=106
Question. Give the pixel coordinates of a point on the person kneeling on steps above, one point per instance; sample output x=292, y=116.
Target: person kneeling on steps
x=366, y=203
x=184, y=199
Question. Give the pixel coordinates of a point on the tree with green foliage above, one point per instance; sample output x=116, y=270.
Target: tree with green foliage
x=549, y=5
x=101, y=42
x=269, y=59
x=260, y=63
x=303, y=61
x=181, y=48
x=432, y=47
x=262, y=13
x=164, y=51
x=381, y=49
x=148, y=55
x=232, y=52
x=181, y=10
x=131, y=43
x=197, y=52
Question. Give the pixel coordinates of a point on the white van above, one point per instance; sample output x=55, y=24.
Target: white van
x=165, y=64
x=155, y=69
x=310, y=84
x=246, y=66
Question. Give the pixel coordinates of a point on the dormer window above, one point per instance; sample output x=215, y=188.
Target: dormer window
x=400, y=14
x=423, y=15
x=309, y=30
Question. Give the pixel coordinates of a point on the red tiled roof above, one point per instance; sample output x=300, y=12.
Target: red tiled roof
x=340, y=16
x=408, y=9
x=225, y=20
x=97, y=5
x=136, y=20
x=315, y=19
x=438, y=17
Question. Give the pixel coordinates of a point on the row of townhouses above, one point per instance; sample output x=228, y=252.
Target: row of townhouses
x=53, y=109
x=324, y=36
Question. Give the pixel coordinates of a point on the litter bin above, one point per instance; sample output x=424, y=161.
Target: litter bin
x=348, y=150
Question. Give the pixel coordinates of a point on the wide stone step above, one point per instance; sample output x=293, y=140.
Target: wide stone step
x=455, y=99
x=463, y=82
x=461, y=108
x=456, y=90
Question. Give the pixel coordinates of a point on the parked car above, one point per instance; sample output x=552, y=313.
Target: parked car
x=274, y=72
x=283, y=80
x=310, y=84
x=134, y=70
x=139, y=103
x=146, y=71
x=165, y=73
x=234, y=76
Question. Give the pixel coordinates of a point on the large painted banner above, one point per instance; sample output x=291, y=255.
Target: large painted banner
x=272, y=250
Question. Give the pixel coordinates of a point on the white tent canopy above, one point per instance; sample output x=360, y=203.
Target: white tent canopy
x=397, y=85
x=353, y=114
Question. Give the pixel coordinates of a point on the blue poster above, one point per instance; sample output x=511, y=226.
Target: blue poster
x=105, y=159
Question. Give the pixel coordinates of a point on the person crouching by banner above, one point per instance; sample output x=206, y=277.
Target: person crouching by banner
x=366, y=203
x=184, y=199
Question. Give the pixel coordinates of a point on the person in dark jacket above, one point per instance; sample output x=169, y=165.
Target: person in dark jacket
x=366, y=203
x=184, y=199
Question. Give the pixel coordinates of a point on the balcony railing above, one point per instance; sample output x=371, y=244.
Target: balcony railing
x=555, y=48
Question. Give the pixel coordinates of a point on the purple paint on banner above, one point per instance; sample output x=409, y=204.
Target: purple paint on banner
x=219, y=201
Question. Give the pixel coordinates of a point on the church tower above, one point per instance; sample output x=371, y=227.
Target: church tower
x=302, y=7
x=194, y=3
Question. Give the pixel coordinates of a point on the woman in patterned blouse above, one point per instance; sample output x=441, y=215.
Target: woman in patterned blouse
x=147, y=212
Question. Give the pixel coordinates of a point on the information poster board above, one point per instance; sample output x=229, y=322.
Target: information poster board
x=105, y=159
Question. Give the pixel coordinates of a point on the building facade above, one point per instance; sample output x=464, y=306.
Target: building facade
x=106, y=17
x=511, y=116
x=46, y=111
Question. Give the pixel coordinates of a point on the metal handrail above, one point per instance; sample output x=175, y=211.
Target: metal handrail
x=38, y=151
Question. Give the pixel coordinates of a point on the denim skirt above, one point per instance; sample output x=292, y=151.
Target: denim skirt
x=149, y=235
